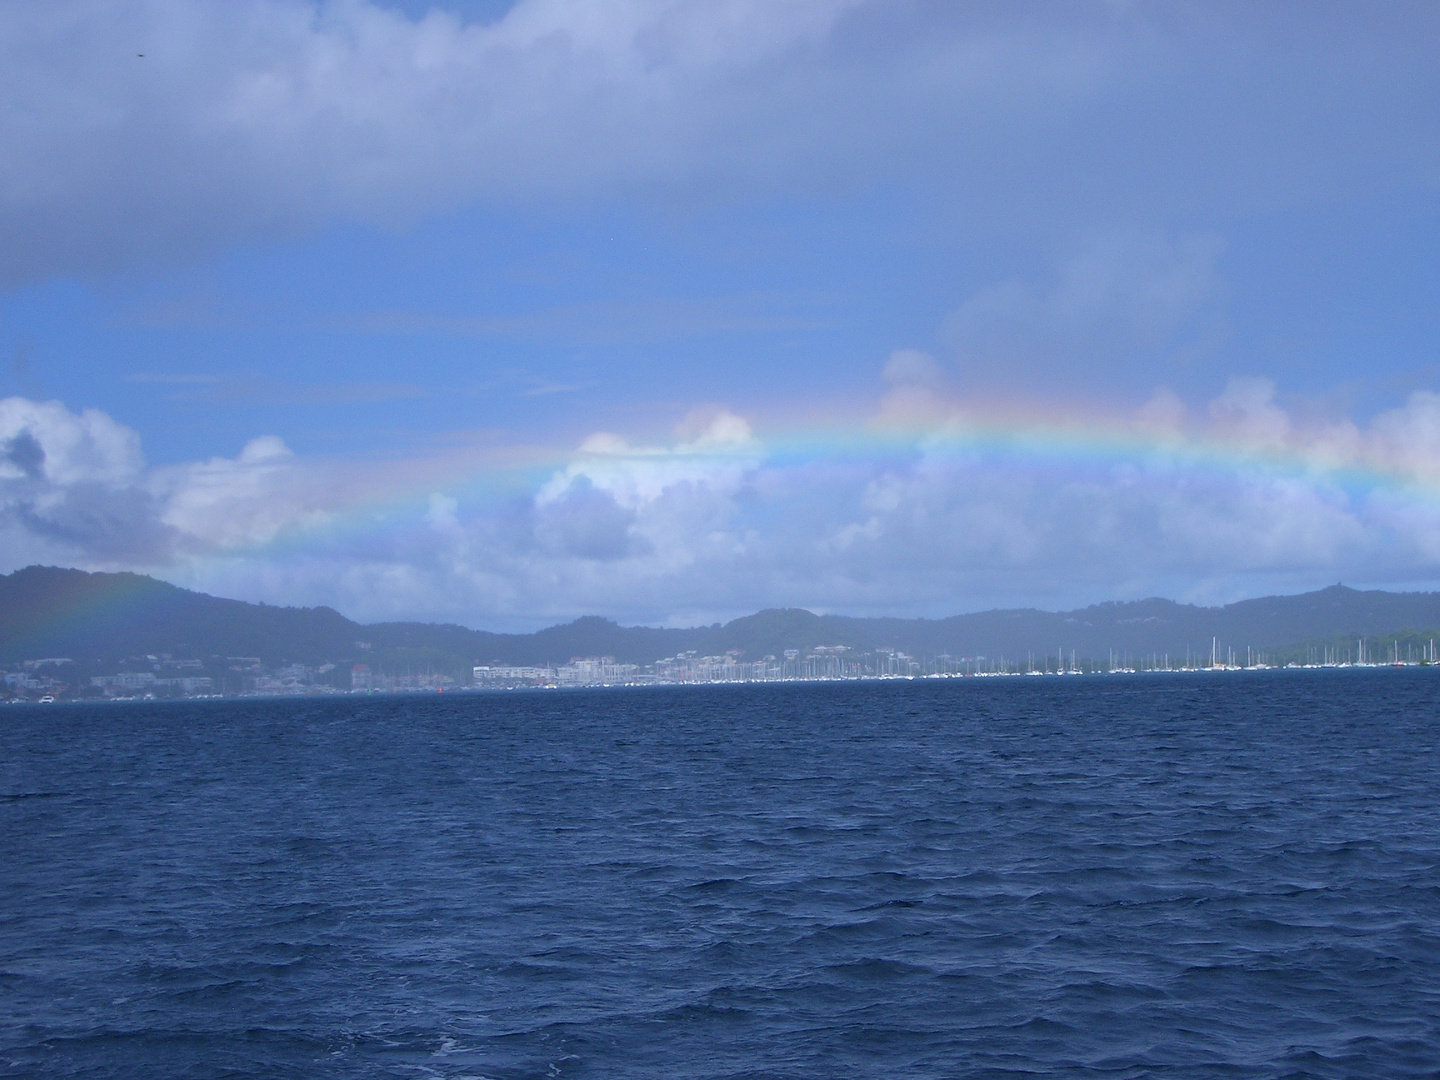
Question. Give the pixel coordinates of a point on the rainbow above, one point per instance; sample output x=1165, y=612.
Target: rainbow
x=48, y=605
x=994, y=438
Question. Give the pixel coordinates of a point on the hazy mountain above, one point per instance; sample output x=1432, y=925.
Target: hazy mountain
x=47, y=611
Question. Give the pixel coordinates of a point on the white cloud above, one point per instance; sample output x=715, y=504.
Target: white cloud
x=675, y=532
x=78, y=483
x=44, y=441
x=1246, y=413
x=1237, y=499
x=226, y=503
x=715, y=450
x=1164, y=415
x=918, y=392
x=1407, y=439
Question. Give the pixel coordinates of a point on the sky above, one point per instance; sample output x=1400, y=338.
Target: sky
x=672, y=310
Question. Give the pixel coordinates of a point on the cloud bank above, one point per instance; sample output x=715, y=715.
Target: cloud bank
x=942, y=506
x=158, y=129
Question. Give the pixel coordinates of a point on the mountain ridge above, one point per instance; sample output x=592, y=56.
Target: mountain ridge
x=54, y=611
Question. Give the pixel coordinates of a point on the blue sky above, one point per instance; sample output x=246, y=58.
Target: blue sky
x=507, y=313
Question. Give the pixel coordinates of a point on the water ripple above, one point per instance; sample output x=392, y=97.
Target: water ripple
x=1182, y=877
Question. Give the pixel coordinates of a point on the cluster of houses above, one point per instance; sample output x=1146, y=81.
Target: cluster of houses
x=822, y=662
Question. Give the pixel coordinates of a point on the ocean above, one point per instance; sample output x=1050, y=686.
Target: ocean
x=1189, y=875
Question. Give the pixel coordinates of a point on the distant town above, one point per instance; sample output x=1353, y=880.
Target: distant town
x=153, y=677
x=69, y=634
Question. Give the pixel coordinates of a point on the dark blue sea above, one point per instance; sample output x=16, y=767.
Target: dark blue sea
x=1178, y=876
